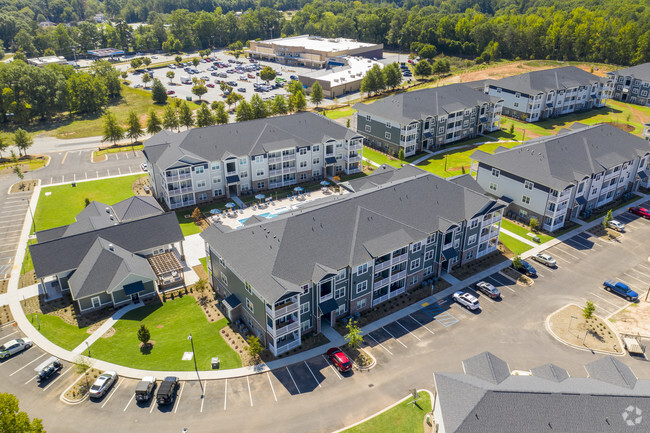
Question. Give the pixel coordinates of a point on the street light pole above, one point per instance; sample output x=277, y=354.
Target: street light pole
x=196, y=368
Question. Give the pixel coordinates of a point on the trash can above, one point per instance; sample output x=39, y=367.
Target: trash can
x=537, y=239
x=215, y=362
x=188, y=98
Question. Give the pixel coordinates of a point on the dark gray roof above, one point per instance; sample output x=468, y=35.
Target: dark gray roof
x=556, y=161
x=532, y=83
x=66, y=253
x=550, y=372
x=641, y=72
x=136, y=207
x=104, y=267
x=436, y=101
x=487, y=367
x=613, y=371
x=253, y=137
x=279, y=255
x=521, y=403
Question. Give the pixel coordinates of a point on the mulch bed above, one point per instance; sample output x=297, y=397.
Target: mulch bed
x=81, y=387
x=479, y=265
x=599, y=336
x=66, y=310
x=5, y=315
x=22, y=186
x=27, y=279
x=3, y=286
x=606, y=234
x=358, y=355
x=139, y=184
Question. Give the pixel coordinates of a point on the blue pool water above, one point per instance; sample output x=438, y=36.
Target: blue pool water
x=267, y=215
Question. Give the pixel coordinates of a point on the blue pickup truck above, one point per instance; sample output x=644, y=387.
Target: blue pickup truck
x=621, y=289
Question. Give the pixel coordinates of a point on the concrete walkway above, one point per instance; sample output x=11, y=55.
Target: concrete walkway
x=519, y=238
x=46, y=345
x=108, y=324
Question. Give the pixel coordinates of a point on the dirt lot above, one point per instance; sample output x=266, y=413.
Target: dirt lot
x=634, y=320
x=599, y=335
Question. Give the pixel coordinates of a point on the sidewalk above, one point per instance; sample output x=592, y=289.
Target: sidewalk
x=519, y=238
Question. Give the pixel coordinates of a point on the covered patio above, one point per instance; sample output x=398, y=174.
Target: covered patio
x=168, y=269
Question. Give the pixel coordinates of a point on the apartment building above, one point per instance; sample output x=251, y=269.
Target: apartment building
x=539, y=95
x=631, y=84
x=293, y=274
x=222, y=161
x=428, y=118
x=556, y=178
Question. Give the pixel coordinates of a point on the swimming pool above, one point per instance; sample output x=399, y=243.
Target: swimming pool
x=267, y=215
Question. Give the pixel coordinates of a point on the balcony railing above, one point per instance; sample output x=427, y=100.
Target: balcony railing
x=397, y=276
x=382, y=266
x=287, y=346
x=279, y=332
x=282, y=311
x=355, y=146
x=401, y=258
x=394, y=293
x=176, y=177
x=352, y=159
x=379, y=300
x=379, y=283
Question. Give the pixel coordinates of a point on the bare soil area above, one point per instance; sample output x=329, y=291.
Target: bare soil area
x=634, y=320
x=570, y=326
x=139, y=184
x=605, y=234
x=23, y=185
x=79, y=390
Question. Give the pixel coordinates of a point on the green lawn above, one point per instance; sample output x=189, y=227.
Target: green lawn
x=337, y=113
x=523, y=231
x=403, y=418
x=204, y=262
x=65, y=201
x=188, y=227
x=514, y=245
x=131, y=148
x=170, y=324
x=380, y=158
x=58, y=332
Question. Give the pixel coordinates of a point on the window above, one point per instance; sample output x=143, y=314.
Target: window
x=361, y=304
x=305, y=288
x=200, y=184
x=416, y=247
x=243, y=174
x=341, y=275
x=224, y=279
x=581, y=187
x=304, y=308
x=368, y=128
x=339, y=292
x=428, y=256
x=493, y=186
x=414, y=280
x=471, y=240
x=216, y=180
x=470, y=254
x=528, y=185
x=259, y=173
x=249, y=306
x=215, y=166
x=260, y=185
x=315, y=148
x=495, y=172
x=525, y=200
x=96, y=302
x=302, y=151
x=243, y=161
x=305, y=325
x=362, y=269
x=431, y=239
x=340, y=310
x=217, y=193
x=387, y=135
x=316, y=161
x=441, y=130
x=362, y=286
x=249, y=289
x=303, y=176
x=428, y=271
x=473, y=224
x=368, y=117
x=303, y=164
x=414, y=264
x=325, y=290
x=203, y=196
x=259, y=158
x=198, y=170
x=388, y=125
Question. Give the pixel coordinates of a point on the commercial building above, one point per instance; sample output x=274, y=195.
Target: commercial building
x=112, y=255
x=311, y=51
x=49, y=60
x=342, y=255
x=549, y=93
x=427, y=118
x=222, y=161
x=556, y=178
x=339, y=80
x=488, y=398
x=631, y=84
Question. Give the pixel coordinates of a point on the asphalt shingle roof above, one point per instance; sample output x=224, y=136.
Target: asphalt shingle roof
x=641, y=72
x=532, y=83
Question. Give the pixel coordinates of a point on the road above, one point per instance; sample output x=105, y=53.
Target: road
x=312, y=396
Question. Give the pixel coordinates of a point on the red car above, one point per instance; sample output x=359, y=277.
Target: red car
x=210, y=85
x=640, y=211
x=170, y=92
x=339, y=359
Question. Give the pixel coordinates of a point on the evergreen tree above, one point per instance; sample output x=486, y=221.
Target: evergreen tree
x=170, y=118
x=185, y=116
x=134, y=128
x=158, y=92
x=154, y=125
x=112, y=131
x=316, y=94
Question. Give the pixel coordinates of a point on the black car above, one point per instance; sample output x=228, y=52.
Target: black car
x=48, y=368
x=525, y=268
x=167, y=390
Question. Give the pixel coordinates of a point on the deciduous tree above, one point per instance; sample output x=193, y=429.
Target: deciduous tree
x=13, y=420
x=267, y=74
x=204, y=116
x=220, y=113
x=354, y=335
x=23, y=141
x=170, y=118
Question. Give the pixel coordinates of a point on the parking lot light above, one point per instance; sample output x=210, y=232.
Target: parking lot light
x=196, y=368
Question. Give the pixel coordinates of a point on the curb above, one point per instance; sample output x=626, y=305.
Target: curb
x=547, y=325
x=92, y=155
x=367, y=368
x=38, y=183
x=72, y=402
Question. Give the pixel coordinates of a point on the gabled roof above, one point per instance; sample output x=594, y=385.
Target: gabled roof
x=640, y=72
x=278, y=255
x=253, y=137
x=136, y=207
x=556, y=161
x=532, y=83
x=487, y=367
x=436, y=101
x=613, y=371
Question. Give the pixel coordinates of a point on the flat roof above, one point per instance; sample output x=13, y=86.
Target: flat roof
x=47, y=59
x=105, y=52
x=355, y=70
x=318, y=43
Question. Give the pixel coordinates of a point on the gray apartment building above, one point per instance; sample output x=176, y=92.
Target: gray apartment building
x=539, y=95
x=631, y=84
x=427, y=118
x=222, y=161
x=555, y=178
x=291, y=275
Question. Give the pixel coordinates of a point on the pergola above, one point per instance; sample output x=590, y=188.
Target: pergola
x=168, y=269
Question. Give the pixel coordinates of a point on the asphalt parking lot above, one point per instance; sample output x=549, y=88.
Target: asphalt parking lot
x=12, y=215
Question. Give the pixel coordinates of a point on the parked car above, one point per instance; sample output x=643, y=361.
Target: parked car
x=171, y=92
x=143, y=166
x=466, y=300
x=167, y=390
x=232, y=83
x=488, y=289
x=210, y=85
x=12, y=347
x=144, y=389
x=621, y=290
x=251, y=76
x=214, y=74
x=242, y=89
x=231, y=61
x=616, y=225
x=640, y=211
x=339, y=359
x=545, y=259
x=48, y=368
x=103, y=383
x=293, y=77
x=525, y=268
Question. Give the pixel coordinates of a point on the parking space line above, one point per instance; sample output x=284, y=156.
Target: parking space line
x=421, y=324
x=294, y=382
x=130, y=400
x=632, y=276
x=494, y=280
x=249, y=391
x=112, y=392
x=268, y=375
x=644, y=274
x=9, y=335
x=382, y=346
x=387, y=332
x=312, y=374
x=397, y=321
x=603, y=299
x=28, y=364
x=225, y=393
x=332, y=367
x=559, y=249
x=507, y=277
x=644, y=266
x=205, y=386
x=602, y=308
x=57, y=378
x=33, y=377
x=178, y=399
x=153, y=404
x=487, y=298
x=566, y=242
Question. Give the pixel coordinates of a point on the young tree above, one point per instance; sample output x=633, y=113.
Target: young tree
x=589, y=310
x=146, y=79
x=511, y=130
x=134, y=127
x=144, y=335
x=201, y=286
x=279, y=105
x=16, y=166
x=607, y=218
x=354, y=335
x=428, y=52
x=204, y=116
x=158, y=92
x=23, y=141
x=199, y=89
x=3, y=145
x=112, y=131
x=170, y=76
x=533, y=224
x=244, y=112
x=124, y=75
x=233, y=98
x=267, y=74
x=422, y=68
x=516, y=262
x=178, y=59
x=220, y=113
x=195, y=62
x=154, y=125
x=185, y=116
x=170, y=118
x=373, y=81
x=254, y=348
x=316, y=94
x=136, y=63
x=400, y=154
x=146, y=61
x=299, y=101
x=392, y=75
x=260, y=109
x=12, y=420
x=82, y=365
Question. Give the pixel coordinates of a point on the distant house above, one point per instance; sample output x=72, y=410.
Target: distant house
x=488, y=398
x=427, y=118
x=112, y=255
x=631, y=84
x=539, y=95
x=47, y=24
x=555, y=178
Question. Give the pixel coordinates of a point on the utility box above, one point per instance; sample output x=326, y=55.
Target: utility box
x=188, y=98
x=215, y=363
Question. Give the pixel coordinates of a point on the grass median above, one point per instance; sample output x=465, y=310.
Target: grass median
x=403, y=418
x=515, y=245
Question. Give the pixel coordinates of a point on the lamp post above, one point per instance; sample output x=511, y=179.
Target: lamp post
x=196, y=368
x=29, y=206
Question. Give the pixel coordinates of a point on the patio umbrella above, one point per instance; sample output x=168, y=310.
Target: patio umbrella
x=325, y=183
x=260, y=196
x=215, y=211
x=230, y=205
x=298, y=189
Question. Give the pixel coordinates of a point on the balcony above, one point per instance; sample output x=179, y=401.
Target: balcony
x=379, y=283
x=285, y=329
x=176, y=177
x=282, y=311
x=398, y=259
x=397, y=276
x=287, y=346
x=352, y=159
x=357, y=146
x=381, y=266
x=379, y=300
